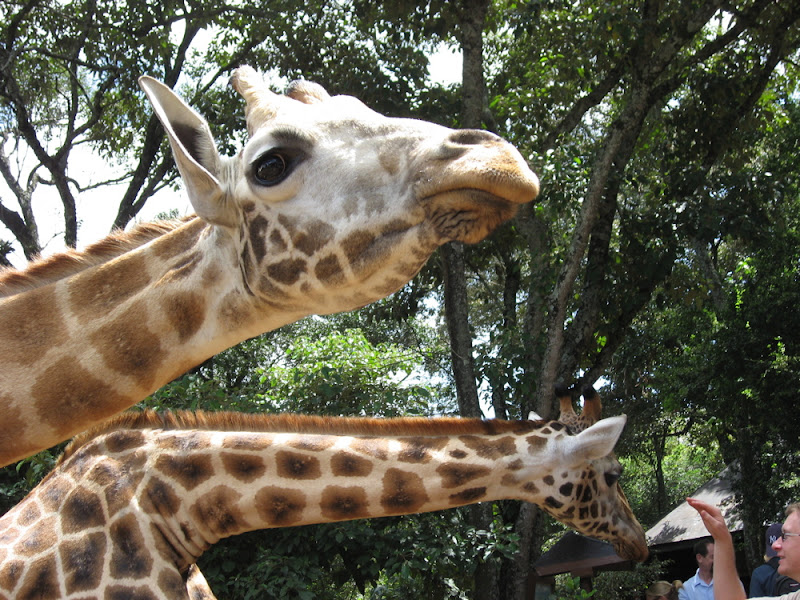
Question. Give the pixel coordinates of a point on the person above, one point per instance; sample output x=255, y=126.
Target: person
x=763, y=578
x=663, y=590
x=786, y=546
x=701, y=586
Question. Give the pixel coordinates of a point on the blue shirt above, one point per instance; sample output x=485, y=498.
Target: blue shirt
x=696, y=589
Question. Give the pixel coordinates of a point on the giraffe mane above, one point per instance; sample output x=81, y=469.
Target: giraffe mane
x=43, y=271
x=293, y=423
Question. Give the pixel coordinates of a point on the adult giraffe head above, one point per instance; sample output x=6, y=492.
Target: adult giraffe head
x=329, y=206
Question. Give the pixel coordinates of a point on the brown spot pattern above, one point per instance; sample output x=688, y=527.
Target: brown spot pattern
x=244, y=442
x=374, y=447
x=184, y=441
x=345, y=464
x=158, y=497
x=11, y=425
x=258, y=229
x=417, y=449
x=185, y=312
x=128, y=347
x=82, y=561
x=244, y=467
x=107, y=286
x=457, y=474
x=356, y=245
x=10, y=574
x=81, y=397
x=339, y=503
x=315, y=235
x=535, y=443
x=403, y=492
x=82, y=509
x=31, y=325
x=312, y=443
x=171, y=584
x=217, y=510
x=287, y=271
x=189, y=471
x=491, y=449
x=467, y=496
x=129, y=592
x=129, y=555
x=280, y=507
x=277, y=244
x=293, y=465
x=124, y=440
x=328, y=270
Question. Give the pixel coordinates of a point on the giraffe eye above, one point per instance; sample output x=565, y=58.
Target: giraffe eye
x=271, y=168
x=612, y=477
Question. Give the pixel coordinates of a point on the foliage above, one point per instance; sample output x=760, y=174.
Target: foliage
x=662, y=255
x=571, y=589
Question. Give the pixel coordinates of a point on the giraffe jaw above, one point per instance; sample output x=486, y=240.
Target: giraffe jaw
x=468, y=214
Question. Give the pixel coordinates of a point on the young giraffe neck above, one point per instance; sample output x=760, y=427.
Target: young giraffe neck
x=135, y=505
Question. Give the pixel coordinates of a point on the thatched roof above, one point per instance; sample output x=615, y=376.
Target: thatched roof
x=683, y=524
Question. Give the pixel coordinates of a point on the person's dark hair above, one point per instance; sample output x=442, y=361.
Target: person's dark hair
x=701, y=546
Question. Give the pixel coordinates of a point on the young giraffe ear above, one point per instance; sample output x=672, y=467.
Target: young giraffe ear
x=596, y=441
x=194, y=150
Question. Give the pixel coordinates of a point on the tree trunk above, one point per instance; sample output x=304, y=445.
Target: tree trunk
x=473, y=15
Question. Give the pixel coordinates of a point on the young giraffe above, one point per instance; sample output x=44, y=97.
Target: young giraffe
x=328, y=207
x=130, y=507
x=592, y=408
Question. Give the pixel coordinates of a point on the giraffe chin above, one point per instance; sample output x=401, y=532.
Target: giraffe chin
x=468, y=215
x=634, y=553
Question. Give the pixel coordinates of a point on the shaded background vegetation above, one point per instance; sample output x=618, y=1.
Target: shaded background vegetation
x=661, y=261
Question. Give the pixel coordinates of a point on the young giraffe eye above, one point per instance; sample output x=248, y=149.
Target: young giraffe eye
x=272, y=168
x=612, y=477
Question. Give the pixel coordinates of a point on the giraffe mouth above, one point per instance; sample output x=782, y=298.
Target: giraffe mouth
x=631, y=552
x=468, y=214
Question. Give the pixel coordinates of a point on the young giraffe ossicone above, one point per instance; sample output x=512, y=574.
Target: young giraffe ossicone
x=328, y=207
x=131, y=506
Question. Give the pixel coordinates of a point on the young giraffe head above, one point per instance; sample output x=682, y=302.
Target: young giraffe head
x=131, y=506
x=328, y=207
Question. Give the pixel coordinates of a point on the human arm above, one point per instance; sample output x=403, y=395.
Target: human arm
x=726, y=580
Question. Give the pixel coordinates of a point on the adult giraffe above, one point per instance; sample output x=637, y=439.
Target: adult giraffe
x=328, y=207
x=131, y=506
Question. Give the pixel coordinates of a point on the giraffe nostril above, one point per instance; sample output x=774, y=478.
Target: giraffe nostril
x=472, y=137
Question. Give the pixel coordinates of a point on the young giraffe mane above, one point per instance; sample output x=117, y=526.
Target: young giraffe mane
x=43, y=271
x=293, y=423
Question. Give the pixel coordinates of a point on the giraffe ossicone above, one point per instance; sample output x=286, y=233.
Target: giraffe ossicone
x=131, y=506
x=329, y=206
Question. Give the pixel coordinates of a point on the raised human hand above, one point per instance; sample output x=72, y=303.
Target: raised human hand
x=712, y=519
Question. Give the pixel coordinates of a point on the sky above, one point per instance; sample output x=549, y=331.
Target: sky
x=97, y=208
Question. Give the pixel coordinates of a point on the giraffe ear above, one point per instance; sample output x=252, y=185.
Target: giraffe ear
x=194, y=150
x=596, y=441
